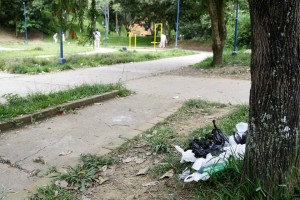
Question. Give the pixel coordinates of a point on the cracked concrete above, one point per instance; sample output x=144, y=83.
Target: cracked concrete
x=99, y=128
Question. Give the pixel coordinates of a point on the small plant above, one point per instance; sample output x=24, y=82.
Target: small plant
x=95, y=162
x=78, y=176
x=159, y=138
x=52, y=192
x=50, y=170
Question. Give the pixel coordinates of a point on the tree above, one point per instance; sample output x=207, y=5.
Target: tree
x=272, y=149
x=216, y=9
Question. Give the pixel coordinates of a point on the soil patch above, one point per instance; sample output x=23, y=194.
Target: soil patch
x=230, y=72
x=123, y=181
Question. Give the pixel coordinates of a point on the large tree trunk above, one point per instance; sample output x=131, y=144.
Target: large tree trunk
x=218, y=26
x=273, y=146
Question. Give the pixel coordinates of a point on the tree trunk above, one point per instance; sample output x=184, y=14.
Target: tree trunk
x=216, y=12
x=272, y=148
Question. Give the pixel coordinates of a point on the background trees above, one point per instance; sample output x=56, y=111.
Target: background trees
x=199, y=19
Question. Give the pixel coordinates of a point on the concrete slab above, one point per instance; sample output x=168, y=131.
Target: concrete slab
x=183, y=88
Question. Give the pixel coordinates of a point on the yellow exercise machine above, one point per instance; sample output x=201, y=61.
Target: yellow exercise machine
x=155, y=33
x=130, y=36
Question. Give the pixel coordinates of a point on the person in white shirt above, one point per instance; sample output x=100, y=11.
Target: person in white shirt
x=55, y=37
x=163, y=41
x=97, y=36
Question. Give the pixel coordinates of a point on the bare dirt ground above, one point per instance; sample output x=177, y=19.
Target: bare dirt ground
x=230, y=72
x=123, y=181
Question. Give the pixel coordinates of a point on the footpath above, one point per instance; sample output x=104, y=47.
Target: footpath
x=99, y=128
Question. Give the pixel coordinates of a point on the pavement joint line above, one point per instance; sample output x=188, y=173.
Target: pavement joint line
x=13, y=165
x=21, y=121
x=111, y=149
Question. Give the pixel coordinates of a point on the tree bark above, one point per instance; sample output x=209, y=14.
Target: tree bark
x=216, y=12
x=273, y=143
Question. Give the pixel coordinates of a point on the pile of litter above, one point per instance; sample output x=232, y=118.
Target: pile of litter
x=210, y=154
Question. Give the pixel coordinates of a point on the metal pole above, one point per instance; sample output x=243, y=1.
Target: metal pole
x=105, y=18
x=25, y=26
x=177, y=24
x=236, y=28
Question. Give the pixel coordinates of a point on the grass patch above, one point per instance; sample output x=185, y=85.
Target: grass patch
x=17, y=105
x=77, y=178
x=241, y=59
x=52, y=191
x=158, y=138
x=39, y=65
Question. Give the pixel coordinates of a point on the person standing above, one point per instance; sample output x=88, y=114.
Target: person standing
x=63, y=37
x=55, y=37
x=97, y=37
x=163, y=41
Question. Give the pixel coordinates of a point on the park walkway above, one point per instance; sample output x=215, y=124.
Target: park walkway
x=101, y=127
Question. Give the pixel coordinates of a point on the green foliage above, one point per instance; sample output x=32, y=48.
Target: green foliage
x=227, y=123
x=78, y=176
x=242, y=58
x=53, y=192
x=158, y=138
x=244, y=26
x=95, y=162
x=39, y=65
x=17, y=105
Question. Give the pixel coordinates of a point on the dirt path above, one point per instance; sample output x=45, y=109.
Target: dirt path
x=123, y=181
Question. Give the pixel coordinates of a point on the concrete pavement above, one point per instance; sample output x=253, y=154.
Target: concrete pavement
x=99, y=128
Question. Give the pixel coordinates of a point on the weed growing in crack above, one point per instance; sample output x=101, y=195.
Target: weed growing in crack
x=51, y=192
x=78, y=176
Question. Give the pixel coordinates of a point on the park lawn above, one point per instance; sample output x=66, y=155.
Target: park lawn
x=41, y=49
x=34, y=65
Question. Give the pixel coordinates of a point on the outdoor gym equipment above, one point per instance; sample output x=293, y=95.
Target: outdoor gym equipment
x=130, y=36
x=155, y=33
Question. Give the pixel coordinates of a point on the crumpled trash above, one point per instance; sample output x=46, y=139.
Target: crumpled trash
x=237, y=151
x=211, y=162
x=240, y=133
x=196, y=177
x=186, y=172
x=187, y=156
x=212, y=143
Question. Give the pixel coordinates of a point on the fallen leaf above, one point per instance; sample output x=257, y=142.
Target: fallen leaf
x=62, y=184
x=148, y=153
x=85, y=198
x=129, y=159
x=139, y=160
x=40, y=159
x=108, y=172
x=104, y=168
x=34, y=172
x=150, y=184
x=143, y=171
x=101, y=180
x=62, y=170
x=65, y=153
x=168, y=174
